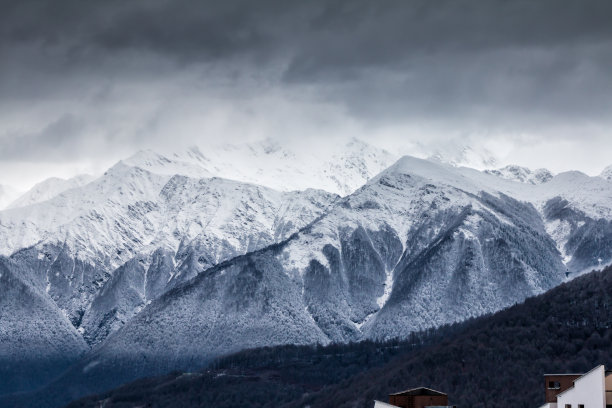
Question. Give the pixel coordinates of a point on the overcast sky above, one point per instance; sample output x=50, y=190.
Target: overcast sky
x=84, y=83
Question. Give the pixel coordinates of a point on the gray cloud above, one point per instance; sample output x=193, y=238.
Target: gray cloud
x=53, y=141
x=322, y=34
x=103, y=77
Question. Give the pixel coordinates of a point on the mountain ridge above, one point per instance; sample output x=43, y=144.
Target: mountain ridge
x=420, y=244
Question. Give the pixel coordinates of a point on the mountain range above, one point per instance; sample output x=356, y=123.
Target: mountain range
x=160, y=264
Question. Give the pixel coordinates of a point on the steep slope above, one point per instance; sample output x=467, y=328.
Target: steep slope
x=576, y=210
x=37, y=340
x=48, y=189
x=83, y=218
x=400, y=254
x=215, y=219
x=420, y=245
x=545, y=334
x=247, y=302
x=75, y=240
x=578, y=214
x=174, y=225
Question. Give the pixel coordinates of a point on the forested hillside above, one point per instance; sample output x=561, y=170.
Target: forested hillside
x=265, y=377
x=492, y=361
x=499, y=360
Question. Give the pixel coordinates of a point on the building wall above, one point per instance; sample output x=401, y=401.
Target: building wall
x=565, y=382
x=589, y=390
x=418, y=401
x=609, y=389
x=429, y=400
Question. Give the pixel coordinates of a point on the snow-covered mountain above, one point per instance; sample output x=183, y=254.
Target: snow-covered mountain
x=341, y=169
x=7, y=195
x=158, y=209
x=458, y=155
x=607, y=173
x=48, y=189
x=523, y=174
x=418, y=231
x=158, y=264
x=75, y=243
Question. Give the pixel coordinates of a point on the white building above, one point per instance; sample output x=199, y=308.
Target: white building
x=591, y=390
x=380, y=404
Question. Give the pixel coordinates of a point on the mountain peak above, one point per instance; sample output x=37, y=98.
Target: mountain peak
x=341, y=169
x=49, y=188
x=188, y=163
x=466, y=156
x=522, y=174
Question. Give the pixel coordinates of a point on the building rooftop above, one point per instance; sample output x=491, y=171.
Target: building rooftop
x=546, y=375
x=419, y=391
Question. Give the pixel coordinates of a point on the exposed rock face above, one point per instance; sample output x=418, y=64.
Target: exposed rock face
x=585, y=242
x=523, y=174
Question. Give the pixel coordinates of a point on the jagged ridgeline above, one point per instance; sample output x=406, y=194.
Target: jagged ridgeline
x=143, y=271
x=491, y=361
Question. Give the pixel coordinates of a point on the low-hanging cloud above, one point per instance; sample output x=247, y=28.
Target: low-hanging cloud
x=102, y=78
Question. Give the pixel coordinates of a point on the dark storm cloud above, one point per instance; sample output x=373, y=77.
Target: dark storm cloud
x=321, y=34
x=182, y=30
x=383, y=33
x=540, y=67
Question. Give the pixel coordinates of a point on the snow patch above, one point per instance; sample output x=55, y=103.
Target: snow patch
x=560, y=231
x=90, y=365
x=388, y=287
